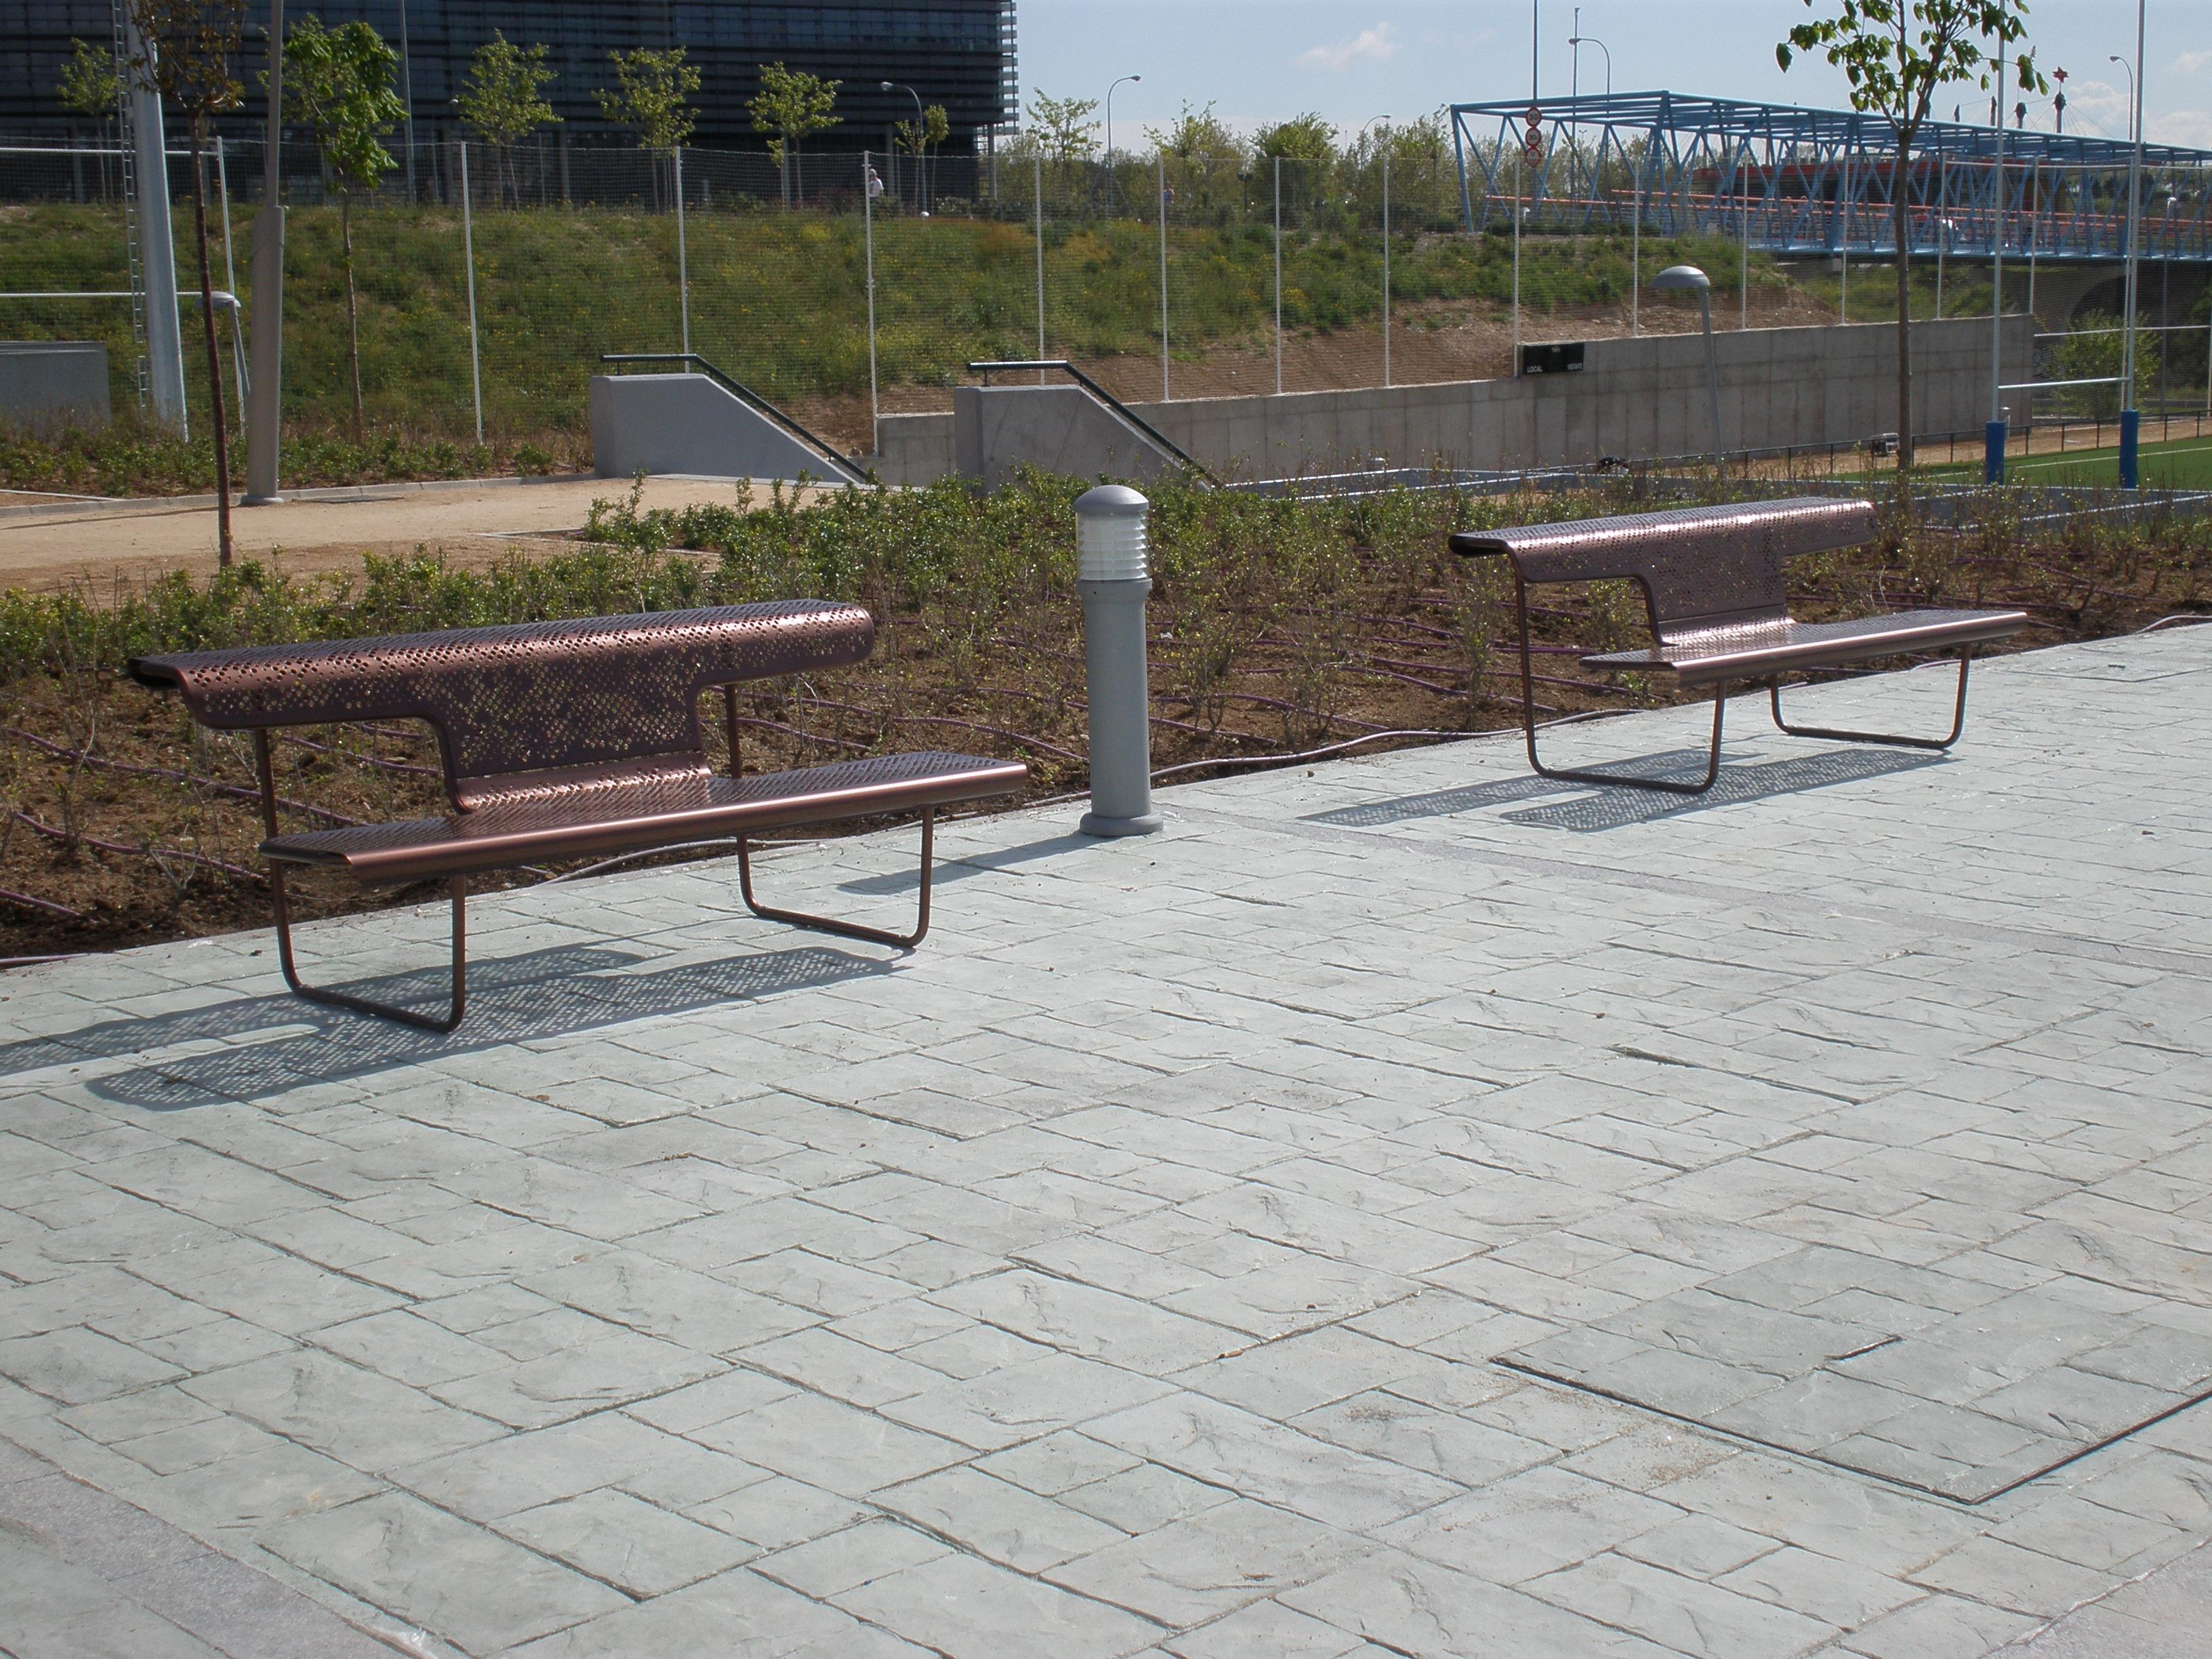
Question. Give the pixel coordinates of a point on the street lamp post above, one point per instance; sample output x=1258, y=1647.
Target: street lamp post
x=1109, y=138
x=1690, y=280
x=2130, y=417
x=921, y=131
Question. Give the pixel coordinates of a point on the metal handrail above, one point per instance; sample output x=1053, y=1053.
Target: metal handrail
x=847, y=466
x=1103, y=396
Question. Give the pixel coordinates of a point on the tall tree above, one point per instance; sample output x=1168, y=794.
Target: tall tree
x=189, y=55
x=1896, y=54
x=502, y=100
x=790, y=105
x=1064, y=128
x=88, y=85
x=338, y=83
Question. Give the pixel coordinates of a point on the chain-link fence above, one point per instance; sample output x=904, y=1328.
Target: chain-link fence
x=487, y=282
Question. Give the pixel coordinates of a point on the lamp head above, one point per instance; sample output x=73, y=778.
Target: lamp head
x=1687, y=277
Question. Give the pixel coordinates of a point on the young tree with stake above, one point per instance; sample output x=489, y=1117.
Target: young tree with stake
x=790, y=105
x=189, y=55
x=339, y=85
x=651, y=97
x=504, y=100
x=1896, y=54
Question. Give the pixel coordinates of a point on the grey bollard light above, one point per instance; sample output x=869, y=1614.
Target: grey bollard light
x=1113, y=573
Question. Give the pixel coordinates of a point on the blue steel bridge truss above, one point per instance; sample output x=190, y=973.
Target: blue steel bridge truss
x=1810, y=181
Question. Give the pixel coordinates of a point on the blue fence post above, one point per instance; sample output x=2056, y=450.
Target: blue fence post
x=2131, y=430
x=1993, y=453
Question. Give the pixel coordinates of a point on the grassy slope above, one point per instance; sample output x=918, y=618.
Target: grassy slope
x=779, y=299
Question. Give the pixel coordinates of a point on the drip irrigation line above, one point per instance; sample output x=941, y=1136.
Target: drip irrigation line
x=11, y=896
x=155, y=855
x=101, y=763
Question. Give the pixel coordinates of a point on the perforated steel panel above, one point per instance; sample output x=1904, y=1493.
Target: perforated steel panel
x=531, y=711
x=1700, y=567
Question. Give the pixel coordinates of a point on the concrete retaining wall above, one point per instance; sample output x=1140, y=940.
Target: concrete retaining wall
x=687, y=423
x=997, y=430
x=47, y=383
x=1637, y=399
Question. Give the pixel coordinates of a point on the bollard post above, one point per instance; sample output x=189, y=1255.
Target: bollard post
x=2131, y=436
x=1113, y=576
x=1993, y=451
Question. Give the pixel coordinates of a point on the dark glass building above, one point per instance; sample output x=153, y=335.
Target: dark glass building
x=959, y=53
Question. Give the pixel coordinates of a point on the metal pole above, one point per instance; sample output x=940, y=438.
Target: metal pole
x=868, y=231
x=1038, y=162
x=165, y=336
x=2131, y=418
x=1743, y=266
x=407, y=96
x=1386, y=269
x=1279, y=276
x=1165, y=396
x=469, y=260
x=1518, y=181
x=1843, y=245
x=229, y=271
x=1713, y=368
x=264, y=423
x=683, y=252
x=1636, y=247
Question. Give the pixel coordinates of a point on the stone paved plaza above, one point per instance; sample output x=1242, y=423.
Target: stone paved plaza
x=1406, y=1207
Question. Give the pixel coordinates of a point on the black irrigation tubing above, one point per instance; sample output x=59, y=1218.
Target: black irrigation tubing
x=101, y=763
x=1007, y=732
x=155, y=855
x=11, y=896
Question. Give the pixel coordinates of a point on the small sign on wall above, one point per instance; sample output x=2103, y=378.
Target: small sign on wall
x=1560, y=357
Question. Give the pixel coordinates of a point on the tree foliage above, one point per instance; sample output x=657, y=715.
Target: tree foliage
x=791, y=104
x=651, y=96
x=502, y=100
x=1063, y=127
x=1301, y=138
x=88, y=84
x=1895, y=55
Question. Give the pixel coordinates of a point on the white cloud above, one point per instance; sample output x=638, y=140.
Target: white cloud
x=1373, y=45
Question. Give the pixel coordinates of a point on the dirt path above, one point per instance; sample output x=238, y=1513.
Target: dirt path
x=58, y=544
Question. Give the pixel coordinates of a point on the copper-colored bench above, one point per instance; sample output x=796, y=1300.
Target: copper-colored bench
x=566, y=740
x=1719, y=614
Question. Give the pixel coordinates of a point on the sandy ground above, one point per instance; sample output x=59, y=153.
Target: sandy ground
x=50, y=544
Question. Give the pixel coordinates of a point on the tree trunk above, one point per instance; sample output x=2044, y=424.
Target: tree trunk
x=1901, y=204
x=353, y=316
x=214, y=358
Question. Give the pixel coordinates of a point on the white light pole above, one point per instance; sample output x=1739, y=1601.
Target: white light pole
x=1690, y=280
x=1109, y=138
x=1993, y=435
x=920, y=130
x=2131, y=418
x=264, y=417
x=1386, y=242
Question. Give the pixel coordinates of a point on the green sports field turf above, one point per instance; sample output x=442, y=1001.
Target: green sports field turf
x=2181, y=464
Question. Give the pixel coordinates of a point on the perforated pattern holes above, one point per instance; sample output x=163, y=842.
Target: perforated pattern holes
x=1700, y=567
x=1701, y=656
x=533, y=710
x=613, y=818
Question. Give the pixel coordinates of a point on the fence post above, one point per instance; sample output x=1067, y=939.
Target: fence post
x=1038, y=162
x=469, y=260
x=1519, y=178
x=1843, y=245
x=1165, y=395
x=1743, y=269
x=1386, y=270
x=1279, y=276
x=868, y=228
x=683, y=260
x=1636, y=246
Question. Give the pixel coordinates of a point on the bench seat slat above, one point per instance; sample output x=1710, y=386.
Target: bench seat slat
x=1700, y=656
x=629, y=817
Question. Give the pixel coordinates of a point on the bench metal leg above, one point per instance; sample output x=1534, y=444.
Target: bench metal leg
x=1958, y=721
x=849, y=929
x=364, y=1005
x=457, y=887
x=1666, y=786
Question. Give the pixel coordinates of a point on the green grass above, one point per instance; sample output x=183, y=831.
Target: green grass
x=778, y=298
x=2181, y=464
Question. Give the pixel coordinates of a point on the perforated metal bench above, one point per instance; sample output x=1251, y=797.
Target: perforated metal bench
x=1719, y=614
x=566, y=740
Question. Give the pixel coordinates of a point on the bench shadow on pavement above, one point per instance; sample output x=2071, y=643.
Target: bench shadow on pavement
x=558, y=992
x=1587, y=808
x=972, y=864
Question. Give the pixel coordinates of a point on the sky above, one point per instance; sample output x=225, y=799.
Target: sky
x=1258, y=61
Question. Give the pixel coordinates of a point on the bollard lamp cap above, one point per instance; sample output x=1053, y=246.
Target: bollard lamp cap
x=1116, y=500
x=1112, y=535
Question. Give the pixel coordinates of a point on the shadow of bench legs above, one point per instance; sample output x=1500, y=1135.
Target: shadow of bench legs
x=1958, y=721
x=848, y=929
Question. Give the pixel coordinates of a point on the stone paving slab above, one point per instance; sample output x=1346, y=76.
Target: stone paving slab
x=1408, y=1206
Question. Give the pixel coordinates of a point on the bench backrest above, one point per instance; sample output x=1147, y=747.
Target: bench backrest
x=1700, y=567
x=534, y=709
